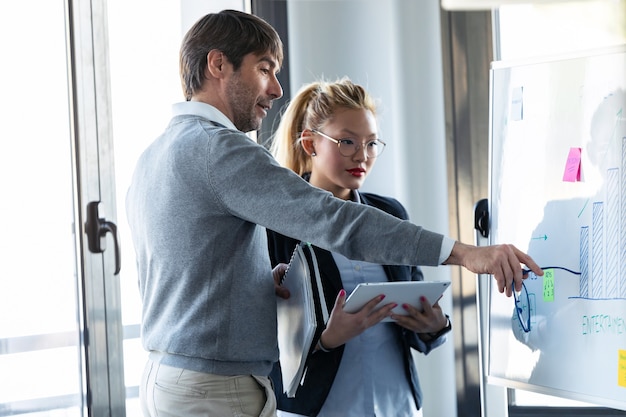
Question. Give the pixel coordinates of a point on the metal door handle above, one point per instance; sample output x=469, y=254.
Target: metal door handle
x=96, y=228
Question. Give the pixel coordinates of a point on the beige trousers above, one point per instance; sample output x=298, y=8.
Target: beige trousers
x=173, y=392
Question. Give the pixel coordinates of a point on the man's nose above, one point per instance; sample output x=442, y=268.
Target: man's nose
x=276, y=90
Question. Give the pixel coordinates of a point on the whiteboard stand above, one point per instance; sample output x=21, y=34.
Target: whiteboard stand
x=493, y=399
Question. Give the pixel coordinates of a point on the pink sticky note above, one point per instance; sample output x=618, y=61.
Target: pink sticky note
x=572, y=167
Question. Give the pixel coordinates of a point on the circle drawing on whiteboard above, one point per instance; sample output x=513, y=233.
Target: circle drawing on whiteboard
x=522, y=308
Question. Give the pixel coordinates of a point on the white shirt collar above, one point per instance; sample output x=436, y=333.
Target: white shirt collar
x=204, y=110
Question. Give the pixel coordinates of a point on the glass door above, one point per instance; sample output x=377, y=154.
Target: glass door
x=60, y=343
x=40, y=355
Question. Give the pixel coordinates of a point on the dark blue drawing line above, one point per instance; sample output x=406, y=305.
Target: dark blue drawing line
x=579, y=297
x=526, y=271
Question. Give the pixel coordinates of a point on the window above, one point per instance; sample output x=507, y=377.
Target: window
x=54, y=293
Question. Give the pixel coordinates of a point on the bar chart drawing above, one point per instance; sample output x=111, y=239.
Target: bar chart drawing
x=603, y=243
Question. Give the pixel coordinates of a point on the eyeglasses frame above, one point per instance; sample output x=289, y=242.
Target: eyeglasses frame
x=338, y=142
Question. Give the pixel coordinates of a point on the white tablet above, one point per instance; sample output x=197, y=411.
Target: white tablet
x=400, y=292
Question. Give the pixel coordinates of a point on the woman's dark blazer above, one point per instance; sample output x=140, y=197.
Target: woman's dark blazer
x=322, y=366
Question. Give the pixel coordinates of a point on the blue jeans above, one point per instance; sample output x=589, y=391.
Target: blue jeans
x=170, y=392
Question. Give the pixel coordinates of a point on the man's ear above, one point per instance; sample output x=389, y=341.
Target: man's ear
x=215, y=63
x=306, y=138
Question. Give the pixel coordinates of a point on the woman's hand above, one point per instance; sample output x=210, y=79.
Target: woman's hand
x=343, y=326
x=278, y=273
x=430, y=320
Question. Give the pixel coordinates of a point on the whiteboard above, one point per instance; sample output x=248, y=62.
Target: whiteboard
x=558, y=192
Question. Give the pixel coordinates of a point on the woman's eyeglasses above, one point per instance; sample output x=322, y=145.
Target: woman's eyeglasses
x=349, y=147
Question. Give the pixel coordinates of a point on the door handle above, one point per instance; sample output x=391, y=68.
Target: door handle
x=96, y=228
x=481, y=217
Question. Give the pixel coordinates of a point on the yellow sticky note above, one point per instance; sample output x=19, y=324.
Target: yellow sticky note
x=548, y=285
x=621, y=368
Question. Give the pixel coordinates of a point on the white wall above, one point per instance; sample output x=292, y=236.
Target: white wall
x=392, y=47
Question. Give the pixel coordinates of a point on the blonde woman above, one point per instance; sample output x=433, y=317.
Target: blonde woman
x=360, y=367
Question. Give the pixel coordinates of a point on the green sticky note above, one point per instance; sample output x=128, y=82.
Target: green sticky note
x=548, y=285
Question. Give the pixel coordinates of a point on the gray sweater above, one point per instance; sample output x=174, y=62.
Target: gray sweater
x=201, y=197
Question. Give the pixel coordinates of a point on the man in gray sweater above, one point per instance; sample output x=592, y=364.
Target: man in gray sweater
x=201, y=197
